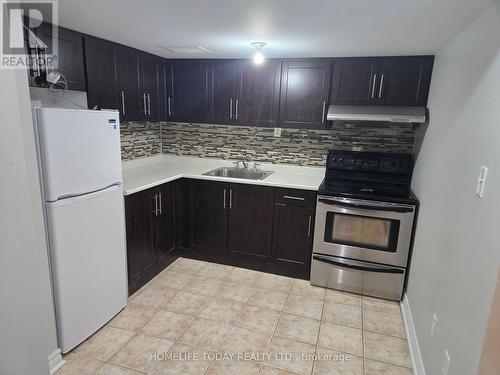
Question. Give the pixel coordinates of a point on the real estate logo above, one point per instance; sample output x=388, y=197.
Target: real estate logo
x=29, y=39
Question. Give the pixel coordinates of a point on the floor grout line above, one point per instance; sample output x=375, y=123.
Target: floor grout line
x=257, y=286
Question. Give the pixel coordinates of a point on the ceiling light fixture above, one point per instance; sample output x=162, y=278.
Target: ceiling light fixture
x=258, y=58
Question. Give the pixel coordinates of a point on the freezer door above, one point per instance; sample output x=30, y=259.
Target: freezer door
x=88, y=262
x=79, y=150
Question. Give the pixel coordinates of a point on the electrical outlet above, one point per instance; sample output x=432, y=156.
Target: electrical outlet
x=446, y=363
x=481, y=181
x=433, y=324
x=277, y=132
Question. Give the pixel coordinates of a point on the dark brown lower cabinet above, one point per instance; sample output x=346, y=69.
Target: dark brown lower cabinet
x=209, y=202
x=164, y=225
x=250, y=221
x=150, y=228
x=244, y=225
x=293, y=229
x=263, y=228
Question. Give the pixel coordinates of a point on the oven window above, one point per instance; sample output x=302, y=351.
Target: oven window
x=362, y=231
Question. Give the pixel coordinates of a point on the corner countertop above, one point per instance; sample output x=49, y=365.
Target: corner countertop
x=145, y=173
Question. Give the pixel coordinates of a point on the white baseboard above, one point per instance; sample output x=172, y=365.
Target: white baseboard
x=55, y=361
x=416, y=356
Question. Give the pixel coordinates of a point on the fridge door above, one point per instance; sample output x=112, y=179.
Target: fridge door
x=88, y=262
x=79, y=150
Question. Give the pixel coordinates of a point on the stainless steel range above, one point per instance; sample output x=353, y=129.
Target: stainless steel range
x=365, y=216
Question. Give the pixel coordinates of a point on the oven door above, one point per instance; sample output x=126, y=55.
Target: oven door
x=369, y=279
x=371, y=231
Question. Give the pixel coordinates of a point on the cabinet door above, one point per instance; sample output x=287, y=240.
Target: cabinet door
x=305, y=87
x=70, y=54
x=164, y=224
x=258, y=100
x=209, y=203
x=292, y=236
x=190, y=83
x=405, y=80
x=133, y=103
x=139, y=209
x=150, y=86
x=354, y=81
x=166, y=90
x=226, y=82
x=100, y=62
x=250, y=221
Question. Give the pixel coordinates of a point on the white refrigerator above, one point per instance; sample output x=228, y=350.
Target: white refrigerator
x=79, y=154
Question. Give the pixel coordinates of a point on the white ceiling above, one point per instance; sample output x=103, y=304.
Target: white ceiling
x=292, y=28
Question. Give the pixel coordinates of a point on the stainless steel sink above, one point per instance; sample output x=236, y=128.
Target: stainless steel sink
x=238, y=173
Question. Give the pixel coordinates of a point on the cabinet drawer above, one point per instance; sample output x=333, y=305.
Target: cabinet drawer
x=295, y=197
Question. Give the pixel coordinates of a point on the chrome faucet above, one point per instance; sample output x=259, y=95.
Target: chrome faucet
x=245, y=164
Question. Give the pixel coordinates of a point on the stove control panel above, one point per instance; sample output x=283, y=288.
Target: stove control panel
x=355, y=161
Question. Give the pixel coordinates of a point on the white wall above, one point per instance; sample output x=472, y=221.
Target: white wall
x=50, y=98
x=457, y=247
x=23, y=282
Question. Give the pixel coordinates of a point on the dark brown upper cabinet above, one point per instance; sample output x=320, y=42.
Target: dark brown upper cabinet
x=404, y=80
x=226, y=89
x=353, y=81
x=101, y=68
x=70, y=58
x=305, y=86
x=245, y=93
x=258, y=101
x=398, y=81
x=250, y=221
x=150, y=86
x=133, y=105
x=190, y=90
x=166, y=88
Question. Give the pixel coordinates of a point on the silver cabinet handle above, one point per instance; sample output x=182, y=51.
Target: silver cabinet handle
x=169, y=109
x=159, y=198
x=323, y=113
x=292, y=197
x=236, y=113
x=381, y=86
x=156, y=205
x=144, y=102
x=374, y=83
x=149, y=104
x=230, y=108
x=224, y=203
x=230, y=198
x=309, y=226
x=123, y=102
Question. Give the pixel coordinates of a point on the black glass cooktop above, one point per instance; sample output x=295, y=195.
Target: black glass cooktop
x=367, y=190
x=369, y=175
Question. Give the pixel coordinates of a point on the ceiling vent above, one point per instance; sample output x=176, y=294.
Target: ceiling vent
x=190, y=50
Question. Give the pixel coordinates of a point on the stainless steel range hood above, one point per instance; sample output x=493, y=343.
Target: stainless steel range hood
x=376, y=113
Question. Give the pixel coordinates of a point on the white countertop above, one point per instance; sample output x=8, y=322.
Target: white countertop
x=144, y=173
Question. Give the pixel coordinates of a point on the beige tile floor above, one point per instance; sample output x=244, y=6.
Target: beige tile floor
x=198, y=317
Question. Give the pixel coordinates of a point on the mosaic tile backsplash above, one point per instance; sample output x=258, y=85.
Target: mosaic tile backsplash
x=140, y=139
x=295, y=146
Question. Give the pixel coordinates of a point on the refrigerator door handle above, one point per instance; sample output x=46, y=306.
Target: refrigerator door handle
x=71, y=198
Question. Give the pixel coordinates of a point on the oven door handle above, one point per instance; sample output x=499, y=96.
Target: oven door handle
x=345, y=263
x=366, y=206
